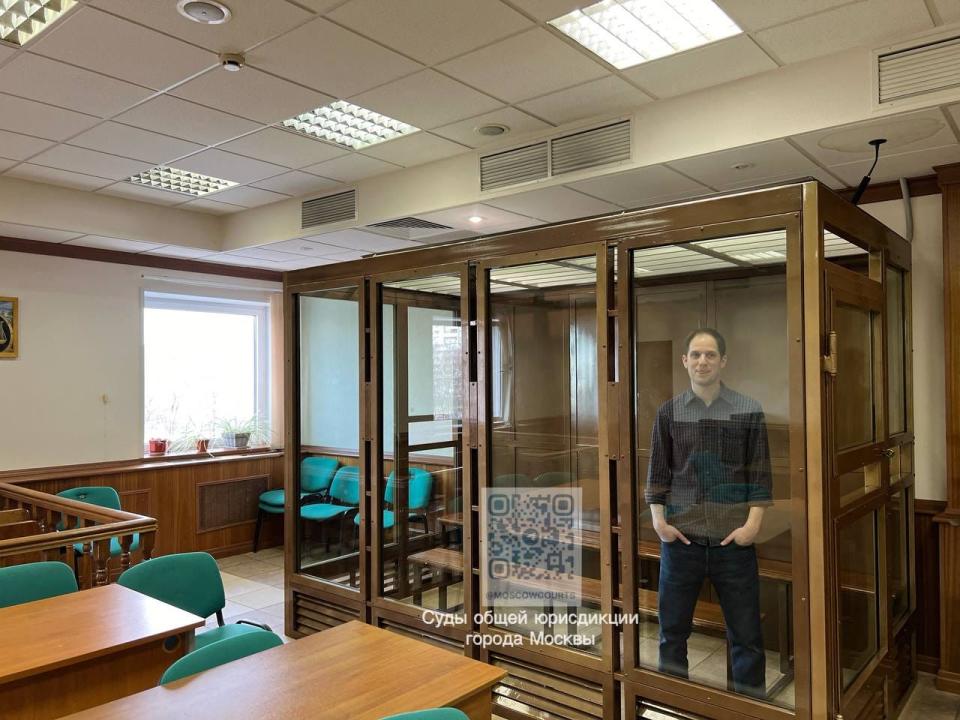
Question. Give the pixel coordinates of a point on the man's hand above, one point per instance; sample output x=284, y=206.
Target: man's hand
x=743, y=535
x=668, y=533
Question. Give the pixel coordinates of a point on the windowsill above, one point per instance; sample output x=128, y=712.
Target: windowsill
x=212, y=454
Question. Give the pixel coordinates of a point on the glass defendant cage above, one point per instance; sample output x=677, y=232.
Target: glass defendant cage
x=716, y=394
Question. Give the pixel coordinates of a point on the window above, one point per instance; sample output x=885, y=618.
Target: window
x=205, y=371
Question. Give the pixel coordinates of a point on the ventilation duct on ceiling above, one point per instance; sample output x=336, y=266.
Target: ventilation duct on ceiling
x=919, y=70
x=328, y=209
x=409, y=228
x=569, y=153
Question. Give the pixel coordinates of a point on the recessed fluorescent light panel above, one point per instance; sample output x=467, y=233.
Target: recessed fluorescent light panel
x=629, y=32
x=21, y=20
x=180, y=181
x=348, y=125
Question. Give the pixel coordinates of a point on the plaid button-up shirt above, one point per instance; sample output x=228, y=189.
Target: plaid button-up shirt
x=709, y=465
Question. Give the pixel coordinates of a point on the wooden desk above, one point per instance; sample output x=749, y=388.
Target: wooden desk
x=79, y=650
x=352, y=671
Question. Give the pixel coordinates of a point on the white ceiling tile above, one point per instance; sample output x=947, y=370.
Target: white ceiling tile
x=553, y=204
x=531, y=63
x=599, y=97
x=228, y=166
x=306, y=248
x=350, y=168
x=426, y=100
x=181, y=251
x=132, y=142
x=319, y=6
x=544, y=10
x=39, y=78
x=642, y=187
x=431, y=31
x=702, y=67
x=360, y=241
x=251, y=94
x=759, y=14
x=52, y=176
x=415, y=149
x=187, y=120
x=893, y=127
x=19, y=147
x=46, y=121
x=89, y=162
x=29, y=232
x=6, y=52
x=303, y=262
x=284, y=148
x=330, y=59
x=766, y=162
x=949, y=10
x=493, y=219
x=6, y=163
x=518, y=122
x=863, y=23
x=230, y=259
x=248, y=197
x=98, y=41
x=262, y=253
x=112, y=243
x=212, y=206
x=143, y=194
x=296, y=183
x=251, y=21
x=893, y=167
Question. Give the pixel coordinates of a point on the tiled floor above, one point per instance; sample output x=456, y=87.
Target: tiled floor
x=254, y=588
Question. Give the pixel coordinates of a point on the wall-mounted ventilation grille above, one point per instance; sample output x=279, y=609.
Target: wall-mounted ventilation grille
x=409, y=228
x=513, y=167
x=919, y=70
x=329, y=209
x=411, y=223
x=651, y=711
x=312, y=615
x=557, y=156
x=536, y=692
x=590, y=148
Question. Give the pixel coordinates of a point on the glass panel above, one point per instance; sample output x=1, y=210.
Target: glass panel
x=543, y=443
x=845, y=253
x=858, y=604
x=853, y=395
x=711, y=361
x=422, y=523
x=898, y=527
x=857, y=483
x=330, y=480
x=896, y=351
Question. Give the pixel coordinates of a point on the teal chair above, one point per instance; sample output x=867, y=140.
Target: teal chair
x=220, y=653
x=552, y=479
x=104, y=496
x=35, y=581
x=316, y=474
x=435, y=714
x=344, y=498
x=191, y=582
x=511, y=481
x=419, y=489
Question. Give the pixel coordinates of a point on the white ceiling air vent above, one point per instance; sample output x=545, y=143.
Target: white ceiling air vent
x=918, y=70
x=590, y=148
x=409, y=228
x=513, y=167
x=329, y=209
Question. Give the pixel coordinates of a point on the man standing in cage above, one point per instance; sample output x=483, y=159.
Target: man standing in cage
x=708, y=484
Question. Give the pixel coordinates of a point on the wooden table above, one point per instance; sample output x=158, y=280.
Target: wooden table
x=352, y=671
x=82, y=649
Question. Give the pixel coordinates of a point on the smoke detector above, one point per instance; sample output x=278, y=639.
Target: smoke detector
x=231, y=62
x=206, y=12
x=492, y=130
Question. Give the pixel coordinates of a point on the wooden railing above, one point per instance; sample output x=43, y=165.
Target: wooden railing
x=32, y=519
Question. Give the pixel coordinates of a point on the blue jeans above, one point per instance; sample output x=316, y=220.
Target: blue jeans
x=733, y=571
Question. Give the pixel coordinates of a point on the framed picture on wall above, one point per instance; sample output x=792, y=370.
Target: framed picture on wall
x=9, y=340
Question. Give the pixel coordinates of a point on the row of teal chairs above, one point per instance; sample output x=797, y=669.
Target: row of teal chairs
x=329, y=491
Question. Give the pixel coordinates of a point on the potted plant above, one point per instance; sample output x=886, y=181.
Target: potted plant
x=192, y=439
x=239, y=433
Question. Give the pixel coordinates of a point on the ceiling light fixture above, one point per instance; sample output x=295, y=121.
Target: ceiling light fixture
x=205, y=12
x=348, y=125
x=492, y=129
x=180, y=181
x=741, y=166
x=22, y=20
x=629, y=32
x=475, y=219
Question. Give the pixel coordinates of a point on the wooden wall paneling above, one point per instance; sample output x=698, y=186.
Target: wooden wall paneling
x=927, y=543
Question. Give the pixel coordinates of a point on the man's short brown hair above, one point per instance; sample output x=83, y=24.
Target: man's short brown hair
x=715, y=334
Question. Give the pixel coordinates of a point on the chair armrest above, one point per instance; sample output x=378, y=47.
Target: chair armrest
x=262, y=626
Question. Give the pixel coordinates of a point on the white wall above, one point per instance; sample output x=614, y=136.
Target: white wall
x=75, y=393
x=928, y=368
